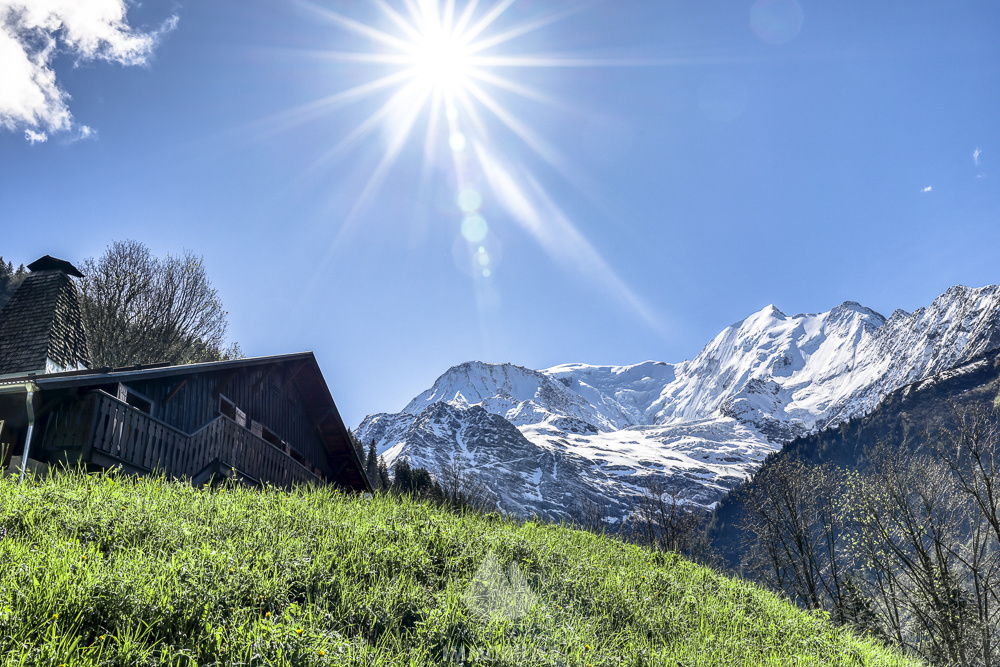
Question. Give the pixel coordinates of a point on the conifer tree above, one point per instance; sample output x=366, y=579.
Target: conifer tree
x=402, y=481
x=10, y=279
x=383, y=474
x=371, y=467
x=358, y=446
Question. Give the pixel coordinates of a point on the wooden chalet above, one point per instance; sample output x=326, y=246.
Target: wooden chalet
x=265, y=420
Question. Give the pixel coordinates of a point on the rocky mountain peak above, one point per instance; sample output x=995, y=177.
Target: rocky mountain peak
x=702, y=424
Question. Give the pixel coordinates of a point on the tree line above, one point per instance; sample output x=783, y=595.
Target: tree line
x=10, y=279
x=907, y=550
x=455, y=486
x=896, y=535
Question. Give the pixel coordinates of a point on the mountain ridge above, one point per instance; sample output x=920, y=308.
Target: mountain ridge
x=702, y=425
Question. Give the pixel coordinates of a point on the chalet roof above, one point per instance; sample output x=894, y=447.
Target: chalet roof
x=42, y=323
x=307, y=375
x=50, y=263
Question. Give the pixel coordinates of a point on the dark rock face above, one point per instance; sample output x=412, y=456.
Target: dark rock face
x=522, y=478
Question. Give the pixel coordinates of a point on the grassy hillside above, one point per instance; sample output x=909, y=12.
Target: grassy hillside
x=104, y=570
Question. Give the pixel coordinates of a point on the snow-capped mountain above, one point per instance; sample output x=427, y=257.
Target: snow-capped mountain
x=545, y=439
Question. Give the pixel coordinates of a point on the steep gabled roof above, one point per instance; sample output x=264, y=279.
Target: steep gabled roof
x=42, y=324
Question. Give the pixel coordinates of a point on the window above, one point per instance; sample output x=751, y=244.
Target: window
x=135, y=399
x=266, y=434
x=295, y=454
x=229, y=409
x=272, y=438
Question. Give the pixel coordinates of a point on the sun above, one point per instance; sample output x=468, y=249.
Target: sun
x=442, y=61
x=453, y=69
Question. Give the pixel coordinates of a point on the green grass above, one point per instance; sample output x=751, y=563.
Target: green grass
x=108, y=570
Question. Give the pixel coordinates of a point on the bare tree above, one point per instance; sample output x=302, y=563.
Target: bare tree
x=461, y=488
x=666, y=521
x=139, y=309
x=970, y=448
x=794, y=532
x=909, y=540
x=908, y=549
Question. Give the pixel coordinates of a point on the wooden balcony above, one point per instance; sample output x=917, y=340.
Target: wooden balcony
x=104, y=432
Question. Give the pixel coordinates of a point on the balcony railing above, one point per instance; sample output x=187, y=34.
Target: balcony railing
x=105, y=431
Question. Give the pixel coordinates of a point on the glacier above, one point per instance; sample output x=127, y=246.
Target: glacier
x=546, y=441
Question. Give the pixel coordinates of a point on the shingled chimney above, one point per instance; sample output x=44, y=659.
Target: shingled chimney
x=41, y=327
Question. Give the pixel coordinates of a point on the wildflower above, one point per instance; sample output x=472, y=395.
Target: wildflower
x=322, y=652
x=101, y=637
x=298, y=631
x=55, y=616
x=587, y=646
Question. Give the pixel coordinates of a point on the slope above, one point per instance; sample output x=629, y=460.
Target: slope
x=104, y=570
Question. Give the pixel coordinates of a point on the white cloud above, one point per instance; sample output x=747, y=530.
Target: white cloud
x=975, y=155
x=35, y=137
x=927, y=189
x=34, y=32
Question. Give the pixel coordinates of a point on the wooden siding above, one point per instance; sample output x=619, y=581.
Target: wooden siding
x=104, y=431
x=268, y=394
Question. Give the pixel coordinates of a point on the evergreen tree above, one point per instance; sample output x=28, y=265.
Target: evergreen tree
x=358, y=446
x=10, y=279
x=383, y=475
x=421, y=482
x=371, y=467
x=402, y=476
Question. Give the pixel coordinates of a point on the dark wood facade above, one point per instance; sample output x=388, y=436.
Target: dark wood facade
x=265, y=420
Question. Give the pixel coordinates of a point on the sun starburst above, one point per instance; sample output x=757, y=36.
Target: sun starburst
x=448, y=64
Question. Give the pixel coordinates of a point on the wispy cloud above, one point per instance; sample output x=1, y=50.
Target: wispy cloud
x=927, y=189
x=84, y=132
x=975, y=155
x=34, y=32
x=33, y=137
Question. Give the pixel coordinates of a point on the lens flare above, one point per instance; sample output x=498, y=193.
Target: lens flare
x=457, y=142
x=469, y=200
x=474, y=228
x=441, y=63
x=776, y=21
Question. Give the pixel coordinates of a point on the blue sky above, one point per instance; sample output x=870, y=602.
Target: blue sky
x=644, y=174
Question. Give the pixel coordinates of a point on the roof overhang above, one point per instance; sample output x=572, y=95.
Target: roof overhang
x=320, y=404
